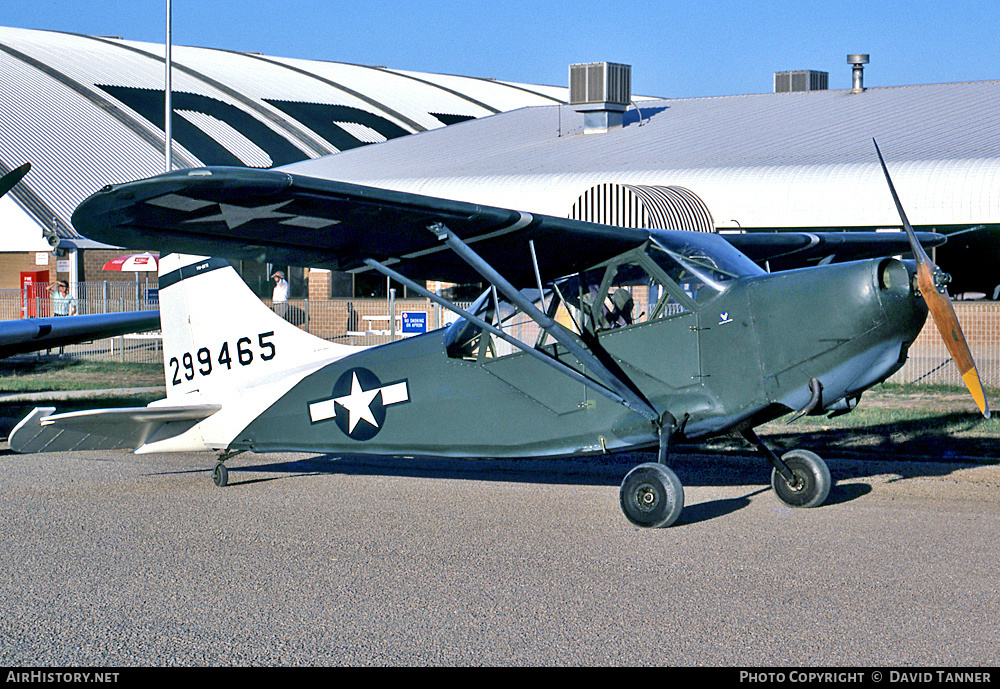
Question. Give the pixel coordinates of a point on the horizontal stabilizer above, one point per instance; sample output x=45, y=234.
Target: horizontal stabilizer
x=102, y=429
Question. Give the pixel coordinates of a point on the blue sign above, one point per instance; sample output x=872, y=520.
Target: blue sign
x=414, y=322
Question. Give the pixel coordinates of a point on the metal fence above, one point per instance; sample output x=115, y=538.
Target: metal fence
x=378, y=321
x=90, y=297
x=366, y=321
x=929, y=362
x=94, y=298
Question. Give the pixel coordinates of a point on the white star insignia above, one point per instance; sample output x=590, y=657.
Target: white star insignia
x=358, y=403
x=234, y=216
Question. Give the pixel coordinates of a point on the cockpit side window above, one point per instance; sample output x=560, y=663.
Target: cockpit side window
x=670, y=275
x=628, y=290
x=466, y=340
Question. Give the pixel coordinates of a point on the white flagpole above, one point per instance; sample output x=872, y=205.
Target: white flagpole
x=168, y=128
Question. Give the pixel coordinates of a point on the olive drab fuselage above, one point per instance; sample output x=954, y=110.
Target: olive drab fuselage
x=743, y=356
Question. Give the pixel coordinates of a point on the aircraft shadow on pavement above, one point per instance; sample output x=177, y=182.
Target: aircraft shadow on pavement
x=924, y=447
x=609, y=474
x=930, y=446
x=920, y=448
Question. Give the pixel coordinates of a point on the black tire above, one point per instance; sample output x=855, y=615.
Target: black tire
x=221, y=475
x=651, y=496
x=814, y=480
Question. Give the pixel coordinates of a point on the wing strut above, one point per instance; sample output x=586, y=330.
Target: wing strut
x=621, y=386
x=493, y=330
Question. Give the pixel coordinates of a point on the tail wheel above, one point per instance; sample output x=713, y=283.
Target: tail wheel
x=652, y=496
x=221, y=475
x=812, y=484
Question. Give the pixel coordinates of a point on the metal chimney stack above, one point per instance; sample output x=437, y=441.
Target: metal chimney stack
x=858, y=63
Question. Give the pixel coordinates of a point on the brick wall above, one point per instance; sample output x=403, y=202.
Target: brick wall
x=11, y=265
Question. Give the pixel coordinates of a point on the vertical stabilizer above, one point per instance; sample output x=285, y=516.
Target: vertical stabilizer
x=219, y=339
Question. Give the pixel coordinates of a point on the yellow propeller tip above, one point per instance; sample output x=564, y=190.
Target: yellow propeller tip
x=971, y=379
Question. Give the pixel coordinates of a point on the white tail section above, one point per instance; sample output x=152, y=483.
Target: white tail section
x=219, y=339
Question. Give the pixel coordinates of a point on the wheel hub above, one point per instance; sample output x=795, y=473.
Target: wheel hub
x=646, y=497
x=798, y=485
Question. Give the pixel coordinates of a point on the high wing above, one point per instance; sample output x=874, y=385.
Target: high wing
x=282, y=218
x=783, y=248
x=33, y=334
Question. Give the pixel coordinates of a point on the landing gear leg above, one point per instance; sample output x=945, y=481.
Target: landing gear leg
x=651, y=495
x=668, y=424
x=800, y=478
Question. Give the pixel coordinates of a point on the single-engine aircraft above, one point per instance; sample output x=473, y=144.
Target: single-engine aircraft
x=589, y=338
x=34, y=334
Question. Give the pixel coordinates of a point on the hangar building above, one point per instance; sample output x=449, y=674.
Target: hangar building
x=784, y=160
x=87, y=111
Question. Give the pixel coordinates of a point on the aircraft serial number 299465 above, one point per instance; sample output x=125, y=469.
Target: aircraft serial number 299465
x=204, y=361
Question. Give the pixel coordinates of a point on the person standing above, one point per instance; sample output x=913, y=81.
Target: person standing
x=63, y=303
x=279, y=298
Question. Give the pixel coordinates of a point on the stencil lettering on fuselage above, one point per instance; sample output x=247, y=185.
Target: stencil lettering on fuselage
x=358, y=403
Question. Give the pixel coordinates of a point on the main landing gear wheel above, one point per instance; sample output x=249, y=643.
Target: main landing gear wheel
x=813, y=485
x=220, y=476
x=651, y=496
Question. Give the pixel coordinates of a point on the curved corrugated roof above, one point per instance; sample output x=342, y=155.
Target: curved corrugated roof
x=763, y=161
x=87, y=111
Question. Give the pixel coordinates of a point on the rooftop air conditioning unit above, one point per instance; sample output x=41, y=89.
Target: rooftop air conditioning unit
x=801, y=80
x=601, y=91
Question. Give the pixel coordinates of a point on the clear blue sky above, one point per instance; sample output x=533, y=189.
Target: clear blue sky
x=707, y=48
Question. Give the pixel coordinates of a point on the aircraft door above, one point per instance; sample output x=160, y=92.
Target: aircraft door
x=729, y=353
x=648, y=325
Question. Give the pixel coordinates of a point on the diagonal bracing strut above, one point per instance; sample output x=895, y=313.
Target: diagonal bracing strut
x=497, y=332
x=629, y=397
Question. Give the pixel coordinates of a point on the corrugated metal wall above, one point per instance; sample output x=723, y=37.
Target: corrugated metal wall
x=655, y=207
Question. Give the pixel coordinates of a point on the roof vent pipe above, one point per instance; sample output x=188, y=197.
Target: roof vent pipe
x=858, y=62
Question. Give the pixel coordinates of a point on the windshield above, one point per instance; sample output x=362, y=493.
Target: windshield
x=702, y=264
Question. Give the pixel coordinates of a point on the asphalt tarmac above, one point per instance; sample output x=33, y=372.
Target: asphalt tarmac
x=112, y=559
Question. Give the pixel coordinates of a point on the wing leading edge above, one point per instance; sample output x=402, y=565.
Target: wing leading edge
x=267, y=215
x=33, y=334
x=282, y=218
